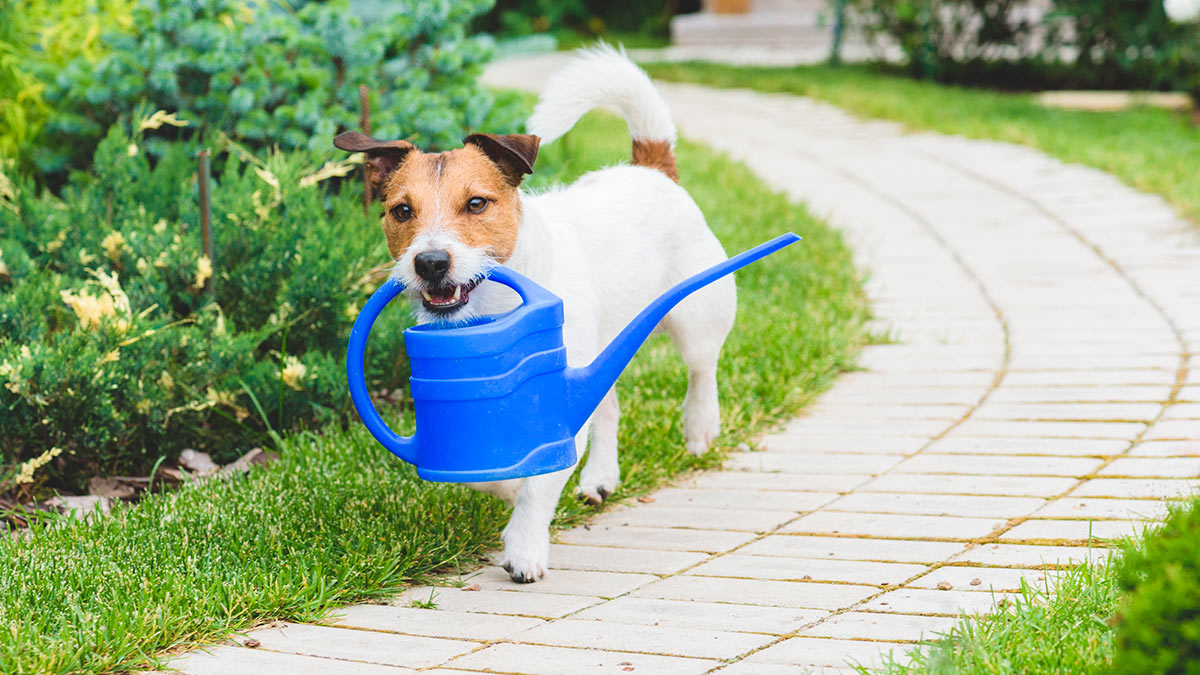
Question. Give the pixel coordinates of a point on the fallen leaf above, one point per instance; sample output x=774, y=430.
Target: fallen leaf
x=944, y=586
x=252, y=643
x=111, y=488
x=627, y=668
x=806, y=577
x=472, y=587
x=197, y=462
x=646, y=500
x=976, y=581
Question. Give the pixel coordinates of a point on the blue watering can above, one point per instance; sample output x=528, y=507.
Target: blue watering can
x=494, y=398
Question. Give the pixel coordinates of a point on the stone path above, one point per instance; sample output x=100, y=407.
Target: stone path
x=1041, y=389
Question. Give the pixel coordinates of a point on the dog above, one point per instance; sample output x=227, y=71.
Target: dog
x=607, y=244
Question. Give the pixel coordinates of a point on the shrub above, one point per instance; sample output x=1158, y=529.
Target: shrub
x=120, y=343
x=1158, y=620
x=590, y=17
x=268, y=74
x=39, y=37
x=1083, y=44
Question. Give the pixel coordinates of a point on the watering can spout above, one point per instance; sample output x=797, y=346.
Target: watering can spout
x=587, y=386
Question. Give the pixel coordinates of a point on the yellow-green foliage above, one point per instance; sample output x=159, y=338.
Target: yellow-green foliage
x=39, y=37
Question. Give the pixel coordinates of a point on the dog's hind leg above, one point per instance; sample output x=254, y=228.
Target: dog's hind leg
x=601, y=474
x=699, y=326
x=527, y=534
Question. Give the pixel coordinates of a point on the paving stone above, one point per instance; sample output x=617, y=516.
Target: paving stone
x=509, y=602
x=789, y=482
x=366, y=646
x=666, y=640
x=656, y=538
x=796, y=502
x=1103, y=394
x=1135, y=488
x=565, y=582
x=1183, y=430
x=695, y=517
x=472, y=625
x=1120, y=378
x=1120, y=430
x=230, y=660
x=1102, y=507
x=854, y=548
x=1128, y=412
x=704, y=615
x=606, y=559
x=945, y=412
x=806, y=569
x=537, y=660
x=814, y=651
x=748, y=667
x=938, y=505
x=1167, y=448
x=810, y=463
x=803, y=595
x=1016, y=486
x=841, y=443
x=1025, y=555
x=998, y=579
x=1183, y=411
x=992, y=465
x=1165, y=467
x=951, y=602
x=893, y=525
x=1027, y=446
x=910, y=395
x=868, y=428
x=877, y=626
x=1058, y=531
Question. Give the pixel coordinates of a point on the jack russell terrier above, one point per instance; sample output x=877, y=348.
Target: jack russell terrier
x=607, y=244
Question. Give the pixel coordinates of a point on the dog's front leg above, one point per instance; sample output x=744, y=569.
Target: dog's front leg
x=527, y=535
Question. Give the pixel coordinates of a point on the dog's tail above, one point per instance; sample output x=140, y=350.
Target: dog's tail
x=600, y=76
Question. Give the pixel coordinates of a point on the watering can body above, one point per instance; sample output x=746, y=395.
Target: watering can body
x=494, y=398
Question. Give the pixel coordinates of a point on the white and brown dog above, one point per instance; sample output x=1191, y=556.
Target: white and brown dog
x=607, y=245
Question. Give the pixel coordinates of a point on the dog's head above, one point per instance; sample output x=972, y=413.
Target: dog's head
x=448, y=216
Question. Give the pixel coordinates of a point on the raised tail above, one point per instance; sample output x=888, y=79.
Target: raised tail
x=600, y=76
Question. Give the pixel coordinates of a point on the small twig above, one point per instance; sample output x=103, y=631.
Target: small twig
x=364, y=121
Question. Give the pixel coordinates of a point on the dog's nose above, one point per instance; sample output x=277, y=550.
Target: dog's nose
x=432, y=265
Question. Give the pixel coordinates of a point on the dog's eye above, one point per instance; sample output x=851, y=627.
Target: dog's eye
x=476, y=204
x=402, y=212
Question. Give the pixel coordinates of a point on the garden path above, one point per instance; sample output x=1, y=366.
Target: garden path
x=1043, y=387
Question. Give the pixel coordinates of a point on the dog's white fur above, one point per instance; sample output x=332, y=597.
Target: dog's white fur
x=607, y=245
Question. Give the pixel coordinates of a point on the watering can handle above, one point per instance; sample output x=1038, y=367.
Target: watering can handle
x=404, y=447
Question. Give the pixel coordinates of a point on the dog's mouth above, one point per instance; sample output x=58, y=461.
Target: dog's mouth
x=446, y=299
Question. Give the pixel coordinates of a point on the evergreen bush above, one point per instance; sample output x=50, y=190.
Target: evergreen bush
x=282, y=74
x=121, y=343
x=1158, y=620
x=1027, y=44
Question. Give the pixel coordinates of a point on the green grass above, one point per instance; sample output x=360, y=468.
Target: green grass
x=338, y=519
x=1150, y=149
x=1061, y=626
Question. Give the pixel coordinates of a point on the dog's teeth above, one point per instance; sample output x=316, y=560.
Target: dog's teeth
x=457, y=293
x=425, y=294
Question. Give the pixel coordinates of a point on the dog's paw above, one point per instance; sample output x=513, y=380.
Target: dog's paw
x=523, y=570
x=526, y=553
x=597, y=483
x=699, y=442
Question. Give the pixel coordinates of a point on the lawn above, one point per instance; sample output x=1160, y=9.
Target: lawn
x=338, y=519
x=1151, y=149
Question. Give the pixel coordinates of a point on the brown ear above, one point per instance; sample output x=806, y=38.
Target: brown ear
x=382, y=156
x=513, y=153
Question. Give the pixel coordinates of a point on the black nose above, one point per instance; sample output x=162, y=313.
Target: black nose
x=432, y=265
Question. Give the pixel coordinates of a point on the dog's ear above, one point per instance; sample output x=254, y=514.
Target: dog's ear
x=382, y=156
x=513, y=153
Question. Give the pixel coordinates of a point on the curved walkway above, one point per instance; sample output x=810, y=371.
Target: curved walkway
x=1040, y=389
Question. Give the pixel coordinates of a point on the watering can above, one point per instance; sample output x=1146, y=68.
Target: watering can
x=494, y=398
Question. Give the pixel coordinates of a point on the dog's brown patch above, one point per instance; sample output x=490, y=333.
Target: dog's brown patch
x=655, y=155
x=438, y=186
